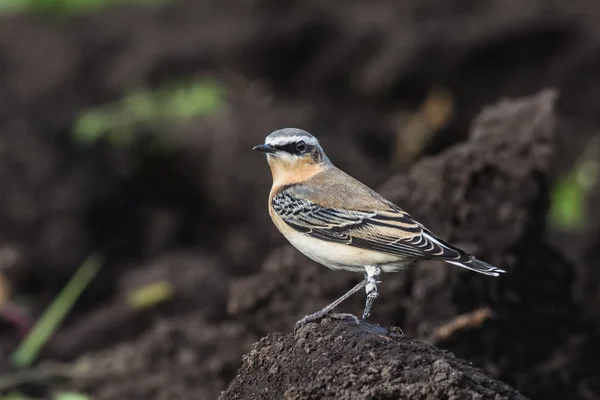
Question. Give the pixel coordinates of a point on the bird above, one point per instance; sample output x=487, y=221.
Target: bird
x=340, y=223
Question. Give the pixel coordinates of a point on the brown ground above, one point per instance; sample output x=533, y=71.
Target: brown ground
x=308, y=64
x=335, y=360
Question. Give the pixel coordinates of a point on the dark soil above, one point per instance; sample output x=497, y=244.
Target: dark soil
x=337, y=360
x=199, y=222
x=178, y=358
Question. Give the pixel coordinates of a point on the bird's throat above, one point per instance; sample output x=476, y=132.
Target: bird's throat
x=286, y=172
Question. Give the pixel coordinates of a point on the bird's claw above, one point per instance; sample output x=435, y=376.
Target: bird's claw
x=307, y=319
x=346, y=316
x=316, y=316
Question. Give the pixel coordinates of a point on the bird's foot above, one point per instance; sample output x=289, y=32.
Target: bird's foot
x=346, y=317
x=321, y=314
x=310, y=318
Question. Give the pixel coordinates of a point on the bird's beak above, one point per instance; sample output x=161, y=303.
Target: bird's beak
x=265, y=148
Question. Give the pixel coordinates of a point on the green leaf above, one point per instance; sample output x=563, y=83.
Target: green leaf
x=568, y=203
x=118, y=121
x=195, y=100
x=14, y=6
x=15, y=396
x=71, y=396
x=150, y=295
x=65, y=8
x=91, y=126
x=28, y=350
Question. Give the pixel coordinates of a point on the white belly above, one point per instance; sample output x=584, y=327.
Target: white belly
x=341, y=256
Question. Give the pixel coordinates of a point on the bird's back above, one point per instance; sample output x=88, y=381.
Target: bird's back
x=336, y=189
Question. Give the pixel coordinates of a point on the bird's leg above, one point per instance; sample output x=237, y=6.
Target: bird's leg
x=372, y=278
x=321, y=313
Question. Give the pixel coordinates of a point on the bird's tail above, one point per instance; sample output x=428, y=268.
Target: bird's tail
x=478, y=266
x=456, y=256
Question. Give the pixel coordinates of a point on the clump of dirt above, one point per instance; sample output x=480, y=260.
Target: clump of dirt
x=489, y=195
x=338, y=360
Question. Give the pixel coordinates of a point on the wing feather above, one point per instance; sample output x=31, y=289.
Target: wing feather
x=391, y=231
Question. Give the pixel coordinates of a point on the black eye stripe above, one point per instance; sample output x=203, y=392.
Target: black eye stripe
x=292, y=148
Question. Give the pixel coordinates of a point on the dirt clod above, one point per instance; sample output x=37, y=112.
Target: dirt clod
x=357, y=362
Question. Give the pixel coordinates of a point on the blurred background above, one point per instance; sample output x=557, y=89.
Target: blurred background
x=137, y=258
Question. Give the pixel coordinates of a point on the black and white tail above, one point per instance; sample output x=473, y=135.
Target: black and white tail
x=456, y=256
x=478, y=266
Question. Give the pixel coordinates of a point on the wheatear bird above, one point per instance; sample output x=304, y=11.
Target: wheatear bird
x=340, y=223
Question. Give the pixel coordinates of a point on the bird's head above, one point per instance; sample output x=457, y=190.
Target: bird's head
x=293, y=155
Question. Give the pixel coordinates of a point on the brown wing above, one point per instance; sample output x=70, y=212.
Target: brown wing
x=391, y=231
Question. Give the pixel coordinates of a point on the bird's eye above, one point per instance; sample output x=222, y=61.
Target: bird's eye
x=300, y=146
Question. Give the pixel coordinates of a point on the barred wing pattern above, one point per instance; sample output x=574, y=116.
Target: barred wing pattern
x=392, y=231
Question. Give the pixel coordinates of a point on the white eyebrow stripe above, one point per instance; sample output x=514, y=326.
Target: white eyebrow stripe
x=278, y=141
